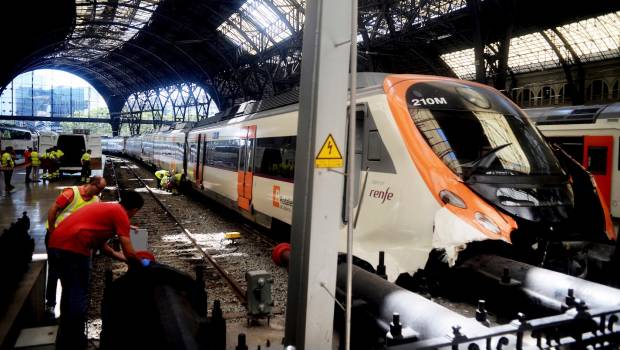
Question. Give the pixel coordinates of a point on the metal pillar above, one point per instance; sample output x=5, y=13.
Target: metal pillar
x=317, y=222
x=115, y=108
x=474, y=8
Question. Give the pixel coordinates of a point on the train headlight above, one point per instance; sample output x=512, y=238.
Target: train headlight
x=449, y=197
x=487, y=223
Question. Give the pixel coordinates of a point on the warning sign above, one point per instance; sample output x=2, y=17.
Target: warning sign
x=329, y=156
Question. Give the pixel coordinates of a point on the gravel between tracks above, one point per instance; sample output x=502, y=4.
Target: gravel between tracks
x=207, y=221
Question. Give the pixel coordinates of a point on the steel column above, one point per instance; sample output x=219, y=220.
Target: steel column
x=317, y=222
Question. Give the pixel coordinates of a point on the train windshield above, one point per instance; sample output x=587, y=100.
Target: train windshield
x=476, y=132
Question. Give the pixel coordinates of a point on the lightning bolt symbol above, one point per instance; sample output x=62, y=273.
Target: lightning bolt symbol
x=329, y=147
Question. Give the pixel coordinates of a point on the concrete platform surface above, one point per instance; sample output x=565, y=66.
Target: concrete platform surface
x=33, y=198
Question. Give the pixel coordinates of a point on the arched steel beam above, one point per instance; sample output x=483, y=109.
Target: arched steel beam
x=133, y=62
x=576, y=90
x=568, y=46
x=77, y=67
x=47, y=65
x=43, y=65
x=224, y=57
x=74, y=63
x=258, y=27
x=147, y=51
x=156, y=36
x=280, y=14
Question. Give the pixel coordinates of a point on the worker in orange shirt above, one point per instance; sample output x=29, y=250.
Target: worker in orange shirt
x=70, y=249
x=28, y=162
x=68, y=201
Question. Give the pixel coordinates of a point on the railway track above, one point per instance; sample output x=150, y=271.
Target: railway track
x=189, y=235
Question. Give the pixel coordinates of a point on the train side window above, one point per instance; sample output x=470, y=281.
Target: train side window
x=597, y=160
x=204, y=152
x=223, y=154
x=275, y=157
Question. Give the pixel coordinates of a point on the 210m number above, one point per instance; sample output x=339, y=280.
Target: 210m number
x=429, y=101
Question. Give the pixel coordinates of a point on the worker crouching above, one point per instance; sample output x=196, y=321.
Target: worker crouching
x=175, y=181
x=70, y=248
x=161, y=177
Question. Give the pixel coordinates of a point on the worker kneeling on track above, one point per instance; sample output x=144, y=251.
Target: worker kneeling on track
x=70, y=249
x=174, y=182
x=159, y=175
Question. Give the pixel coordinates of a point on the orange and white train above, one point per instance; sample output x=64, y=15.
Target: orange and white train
x=442, y=166
x=591, y=135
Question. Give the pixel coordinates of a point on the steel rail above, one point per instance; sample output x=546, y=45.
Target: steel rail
x=239, y=292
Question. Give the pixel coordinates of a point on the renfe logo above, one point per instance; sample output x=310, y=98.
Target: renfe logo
x=382, y=195
x=275, y=198
x=281, y=201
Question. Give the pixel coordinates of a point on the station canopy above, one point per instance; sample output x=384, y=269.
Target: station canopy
x=237, y=50
x=590, y=40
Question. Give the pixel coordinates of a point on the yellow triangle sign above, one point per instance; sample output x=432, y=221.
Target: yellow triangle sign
x=329, y=155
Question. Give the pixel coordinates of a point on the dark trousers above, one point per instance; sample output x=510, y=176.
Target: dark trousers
x=8, y=174
x=74, y=272
x=86, y=170
x=52, y=276
x=28, y=171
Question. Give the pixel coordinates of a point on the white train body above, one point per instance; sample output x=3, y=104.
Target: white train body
x=441, y=164
x=591, y=135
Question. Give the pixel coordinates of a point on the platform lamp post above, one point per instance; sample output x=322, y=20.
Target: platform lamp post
x=319, y=174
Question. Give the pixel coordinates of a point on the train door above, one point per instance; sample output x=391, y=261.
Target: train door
x=597, y=159
x=245, y=170
x=198, y=154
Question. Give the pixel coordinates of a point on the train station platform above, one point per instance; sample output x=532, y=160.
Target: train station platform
x=35, y=199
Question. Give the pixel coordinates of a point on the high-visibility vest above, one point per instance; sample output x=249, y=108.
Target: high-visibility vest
x=75, y=204
x=86, y=157
x=164, y=180
x=34, y=158
x=177, y=178
x=58, y=154
x=7, y=161
x=159, y=174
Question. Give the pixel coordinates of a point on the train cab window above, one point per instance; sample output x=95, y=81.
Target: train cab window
x=597, y=160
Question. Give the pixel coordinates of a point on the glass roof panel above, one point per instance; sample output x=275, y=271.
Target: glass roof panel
x=259, y=24
x=591, y=39
x=531, y=52
x=461, y=62
x=105, y=25
x=594, y=38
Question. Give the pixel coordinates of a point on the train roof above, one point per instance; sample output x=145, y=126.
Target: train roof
x=573, y=114
x=365, y=81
